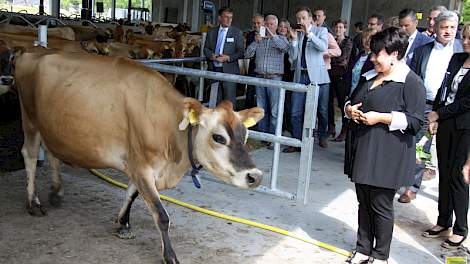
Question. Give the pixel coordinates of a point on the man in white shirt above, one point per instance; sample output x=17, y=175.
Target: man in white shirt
x=409, y=23
x=430, y=63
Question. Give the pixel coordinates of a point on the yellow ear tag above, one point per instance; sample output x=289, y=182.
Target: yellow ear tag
x=192, y=117
x=249, y=122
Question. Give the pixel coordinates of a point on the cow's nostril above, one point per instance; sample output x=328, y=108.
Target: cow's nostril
x=251, y=179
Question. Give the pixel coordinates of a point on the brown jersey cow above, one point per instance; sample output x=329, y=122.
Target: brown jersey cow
x=103, y=112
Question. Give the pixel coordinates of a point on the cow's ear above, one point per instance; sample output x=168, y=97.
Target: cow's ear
x=191, y=112
x=250, y=117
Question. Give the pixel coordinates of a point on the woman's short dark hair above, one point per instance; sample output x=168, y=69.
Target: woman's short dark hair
x=391, y=39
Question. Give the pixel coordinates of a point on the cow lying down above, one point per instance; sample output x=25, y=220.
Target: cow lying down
x=104, y=112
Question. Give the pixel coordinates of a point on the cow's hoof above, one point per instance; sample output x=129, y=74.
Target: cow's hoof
x=124, y=233
x=35, y=209
x=55, y=199
x=171, y=261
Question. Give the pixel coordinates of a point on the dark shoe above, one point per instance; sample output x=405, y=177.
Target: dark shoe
x=450, y=244
x=323, y=143
x=444, y=232
x=291, y=149
x=407, y=196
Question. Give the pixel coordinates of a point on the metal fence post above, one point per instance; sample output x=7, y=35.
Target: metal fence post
x=307, y=143
x=200, y=95
x=278, y=132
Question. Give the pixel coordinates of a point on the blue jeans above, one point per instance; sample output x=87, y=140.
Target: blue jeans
x=298, y=107
x=268, y=99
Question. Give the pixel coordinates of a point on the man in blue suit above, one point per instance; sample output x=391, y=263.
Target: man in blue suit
x=409, y=22
x=430, y=62
x=306, y=55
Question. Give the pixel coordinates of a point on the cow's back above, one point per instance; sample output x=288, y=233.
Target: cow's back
x=95, y=111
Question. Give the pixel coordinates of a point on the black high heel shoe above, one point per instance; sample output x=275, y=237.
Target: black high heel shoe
x=353, y=255
x=445, y=231
x=449, y=244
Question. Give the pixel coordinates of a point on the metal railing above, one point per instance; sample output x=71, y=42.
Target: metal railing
x=306, y=144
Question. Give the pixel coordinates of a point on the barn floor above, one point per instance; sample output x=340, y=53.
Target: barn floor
x=81, y=230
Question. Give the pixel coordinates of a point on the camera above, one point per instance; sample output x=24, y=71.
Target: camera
x=296, y=26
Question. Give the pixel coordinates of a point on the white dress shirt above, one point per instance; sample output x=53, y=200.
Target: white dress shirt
x=411, y=39
x=436, y=68
x=225, y=29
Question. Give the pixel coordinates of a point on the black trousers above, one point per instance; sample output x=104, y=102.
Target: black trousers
x=338, y=89
x=376, y=219
x=453, y=146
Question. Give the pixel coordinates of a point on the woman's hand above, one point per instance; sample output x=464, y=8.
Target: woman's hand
x=433, y=116
x=433, y=127
x=372, y=118
x=353, y=111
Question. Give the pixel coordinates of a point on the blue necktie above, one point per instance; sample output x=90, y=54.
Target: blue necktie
x=220, y=40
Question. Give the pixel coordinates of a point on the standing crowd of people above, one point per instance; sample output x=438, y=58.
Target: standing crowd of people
x=399, y=90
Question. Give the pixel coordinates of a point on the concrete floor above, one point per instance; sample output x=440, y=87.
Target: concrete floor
x=79, y=232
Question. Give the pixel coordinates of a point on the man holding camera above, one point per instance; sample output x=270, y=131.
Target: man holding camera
x=306, y=53
x=268, y=49
x=223, y=48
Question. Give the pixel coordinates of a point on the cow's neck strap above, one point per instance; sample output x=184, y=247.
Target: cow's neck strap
x=195, y=169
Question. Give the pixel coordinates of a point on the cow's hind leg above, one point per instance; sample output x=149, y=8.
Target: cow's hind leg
x=57, y=190
x=148, y=190
x=30, y=153
x=124, y=230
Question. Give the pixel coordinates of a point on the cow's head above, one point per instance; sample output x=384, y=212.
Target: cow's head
x=219, y=141
x=7, y=56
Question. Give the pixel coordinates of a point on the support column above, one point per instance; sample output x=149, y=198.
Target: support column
x=129, y=5
x=156, y=8
x=185, y=11
x=255, y=7
x=41, y=7
x=346, y=12
x=195, y=15
x=54, y=9
x=113, y=9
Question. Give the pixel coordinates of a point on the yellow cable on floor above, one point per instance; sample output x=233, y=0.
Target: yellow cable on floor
x=232, y=218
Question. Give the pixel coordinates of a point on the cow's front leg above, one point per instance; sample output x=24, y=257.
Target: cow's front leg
x=124, y=229
x=149, y=192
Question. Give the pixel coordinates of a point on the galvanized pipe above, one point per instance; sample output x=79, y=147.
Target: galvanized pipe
x=189, y=59
x=295, y=87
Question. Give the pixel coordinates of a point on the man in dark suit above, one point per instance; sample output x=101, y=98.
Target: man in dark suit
x=430, y=63
x=409, y=23
x=223, y=48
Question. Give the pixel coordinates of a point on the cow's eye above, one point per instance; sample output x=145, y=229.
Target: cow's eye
x=219, y=139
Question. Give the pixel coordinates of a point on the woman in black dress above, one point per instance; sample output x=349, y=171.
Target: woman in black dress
x=387, y=108
x=451, y=120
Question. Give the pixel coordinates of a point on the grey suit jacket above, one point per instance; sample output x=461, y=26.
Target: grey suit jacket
x=317, y=43
x=233, y=47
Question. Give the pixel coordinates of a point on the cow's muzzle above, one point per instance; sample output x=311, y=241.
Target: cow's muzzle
x=253, y=178
x=7, y=80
